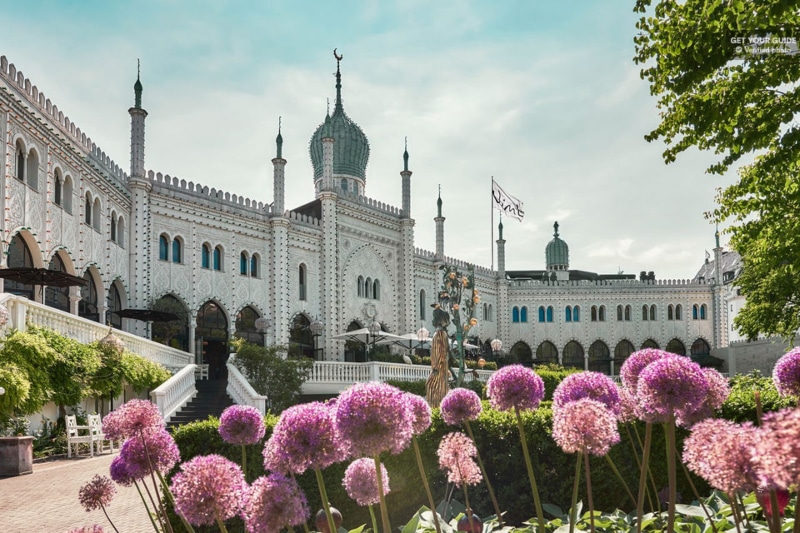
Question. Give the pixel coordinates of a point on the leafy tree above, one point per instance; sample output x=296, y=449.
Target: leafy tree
x=30, y=355
x=726, y=83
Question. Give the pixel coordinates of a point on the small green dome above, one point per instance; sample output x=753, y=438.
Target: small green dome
x=557, y=252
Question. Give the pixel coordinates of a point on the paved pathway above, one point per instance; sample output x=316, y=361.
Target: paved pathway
x=47, y=500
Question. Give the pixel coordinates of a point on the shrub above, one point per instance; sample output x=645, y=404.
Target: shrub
x=142, y=374
x=32, y=357
x=552, y=375
x=414, y=387
x=741, y=405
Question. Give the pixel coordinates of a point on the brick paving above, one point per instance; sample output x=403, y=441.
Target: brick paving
x=46, y=501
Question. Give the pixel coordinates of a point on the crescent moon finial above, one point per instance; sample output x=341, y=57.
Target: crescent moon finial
x=337, y=56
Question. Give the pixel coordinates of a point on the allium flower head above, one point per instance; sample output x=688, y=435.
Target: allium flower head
x=585, y=426
x=361, y=483
x=627, y=405
x=421, y=413
x=161, y=448
x=132, y=418
x=636, y=362
x=97, y=493
x=778, y=447
x=274, y=503
x=119, y=472
x=372, y=418
x=718, y=392
x=207, y=489
x=241, y=424
x=670, y=387
x=460, y=405
x=304, y=437
x=457, y=457
x=721, y=452
x=786, y=374
x=592, y=385
x=515, y=386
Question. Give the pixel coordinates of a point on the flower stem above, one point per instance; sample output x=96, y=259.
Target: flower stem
x=221, y=525
x=325, y=504
x=673, y=492
x=163, y=511
x=305, y=525
x=735, y=510
x=103, y=507
x=573, y=511
x=619, y=476
x=425, y=484
x=374, y=520
x=796, y=528
x=244, y=462
x=648, y=437
x=485, y=476
x=146, y=508
x=697, y=495
x=171, y=499
x=469, y=509
x=636, y=455
x=589, y=492
x=536, y=501
x=387, y=528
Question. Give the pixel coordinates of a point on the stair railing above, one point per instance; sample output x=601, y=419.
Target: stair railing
x=240, y=390
x=176, y=392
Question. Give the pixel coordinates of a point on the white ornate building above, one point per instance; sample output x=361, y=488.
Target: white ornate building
x=221, y=261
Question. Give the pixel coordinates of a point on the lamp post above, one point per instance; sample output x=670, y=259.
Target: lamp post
x=316, y=330
x=497, y=346
x=374, y=331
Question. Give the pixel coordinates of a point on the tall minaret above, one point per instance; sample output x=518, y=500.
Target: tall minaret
x=406, y=174
x=503, y=319
x=439, y=256
x=327, y=155
x=408, y=299
x=139, y=237
x=278, y=180
x=718, y=306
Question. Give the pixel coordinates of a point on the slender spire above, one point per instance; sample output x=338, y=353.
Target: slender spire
x=716, y=235
x=279, y=140
x=555, y=228
x=339, y=58
x=500, y=228
x=137, y=87
x=439, y=201
x=405, y=157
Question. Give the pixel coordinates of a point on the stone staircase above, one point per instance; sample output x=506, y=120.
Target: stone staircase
x=211, y=400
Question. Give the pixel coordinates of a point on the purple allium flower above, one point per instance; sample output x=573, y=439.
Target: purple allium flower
x=241, y=424
x=361, y=483
x=515, y=386
x=670, y=387
x=786, y=374
x=421, y=413
x=274, y=502
x=207, y=489
x=159, y=446
x=718, y=392
x=460, y=405
x=636, y=362
x=456, y=456
x=592, y=385
x=721, y=452
x=97, y=493
x=778, y=448
x=627, y=405
x=119, y=472
x=585, y=426
x=87, y=529
x=304, y=437
x=131, y=418
x=372, y=418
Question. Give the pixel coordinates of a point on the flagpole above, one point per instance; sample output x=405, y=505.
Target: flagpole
x=491, y=209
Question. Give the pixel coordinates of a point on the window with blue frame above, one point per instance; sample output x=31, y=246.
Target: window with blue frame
x=576, y=314
x=541, y=313
x=254, y=266
x=703, y=312
x=694, y=312
x=550, y=313
x=176, y=251
x=515, y=314
x=243, y=264
x=217, y=258
x=568, y=314
x=163, y=248
x=205, y=256
x=523, y=314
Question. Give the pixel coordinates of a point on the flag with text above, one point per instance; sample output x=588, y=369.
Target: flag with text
x=506, y=203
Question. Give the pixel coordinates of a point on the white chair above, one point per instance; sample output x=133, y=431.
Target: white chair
x=77, y=435
x=201, y=372
x=98, y=438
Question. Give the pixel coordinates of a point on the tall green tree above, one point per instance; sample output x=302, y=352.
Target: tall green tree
x=726, y=76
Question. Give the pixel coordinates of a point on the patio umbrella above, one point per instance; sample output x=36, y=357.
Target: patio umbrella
x=409, y=341
x=147, y=315
x=41, y=276
x=361, y=335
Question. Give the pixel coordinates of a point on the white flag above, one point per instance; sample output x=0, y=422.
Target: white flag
x=506, y=203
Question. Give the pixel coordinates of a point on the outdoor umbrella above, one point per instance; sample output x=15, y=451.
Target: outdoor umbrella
x=41, y=276
x=409, y=341
x=147, y=315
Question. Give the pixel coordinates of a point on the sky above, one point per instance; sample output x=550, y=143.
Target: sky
x=542, y=97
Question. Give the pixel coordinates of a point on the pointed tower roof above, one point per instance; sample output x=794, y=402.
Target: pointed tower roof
x=137, y=87
x=405, y=157
x=279, y=141
x=557, y=252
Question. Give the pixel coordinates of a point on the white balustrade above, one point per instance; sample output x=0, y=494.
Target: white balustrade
x=240, y=390
x=174, y=393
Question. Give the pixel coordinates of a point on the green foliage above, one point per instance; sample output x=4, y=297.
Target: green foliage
x=716, y=94
x=414, y=387
x=142, y=374
x=741, y=405
x=33, y=357
x=552, y=375
x=272, y=375
x=15, y=381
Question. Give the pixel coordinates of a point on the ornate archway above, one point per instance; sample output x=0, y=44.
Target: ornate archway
x=211, y=334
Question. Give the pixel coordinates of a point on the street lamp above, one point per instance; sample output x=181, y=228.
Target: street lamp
x=374, y=331
x=316, y=330
x=497, y=346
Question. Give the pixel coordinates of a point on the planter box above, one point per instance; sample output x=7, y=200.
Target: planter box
x=16, y=456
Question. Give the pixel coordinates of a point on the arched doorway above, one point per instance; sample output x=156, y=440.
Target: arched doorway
x=700, y=347
x=176, y=332
x=19, y=255
x=114, y=304
x=521, y=353
x=573, y=355
x=649, y=343
x=87, y=307
x=301, y=340
x=599, y=357
x=354, y=351
x=546, y=353
x=622, y=351
x=57, y=297
x=676, y=346
x=212, y=335
x=246, y=326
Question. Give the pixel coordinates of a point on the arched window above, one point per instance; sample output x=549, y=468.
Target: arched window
x=218, y=258
x=670, y=314
x=700, y=347
x=514, y=315
x=703, y=312
x=254, y=266
x=57, y=188
x=301, y=280
x=57, y=297
x=576, y=313
x=602, y=313
x=546, y=353
x=32, y=174
x=113, y=227
x=644, y=312
x=653, y=312
x=541, y=313
x=368, y=288
x=376, y=289
x=491, y=312
x=87, y=307
x=360, y=283
x=568, y=314
x=114, y=304
x=485, y=311
x=619, y=313
x=627, y=313
x=96, y=214
x=344, y=185
x=622, y=351
x=593, y=313
x=205, y=256
x=19, y=255
x=694, y=312
x=177, y=250
x=676, y=346
x=649, y=343
x=121, y=232
x=550, y=313
x=679, y=312
x=67, y=195
x=163, y=247
x=523, y=314
x=521, y=353
x=573, y=355
x=87, y=218
x=20, y=174
x=422, y=304
x=175, y=333
x=243, y=263
x=246, y=326
x=599, y=357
